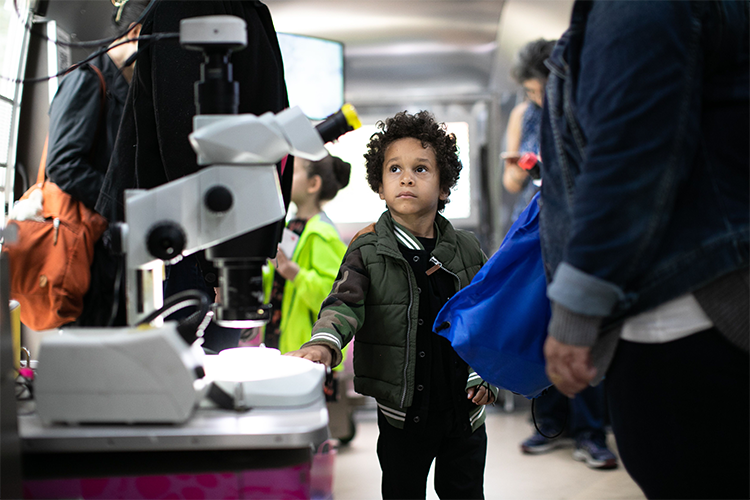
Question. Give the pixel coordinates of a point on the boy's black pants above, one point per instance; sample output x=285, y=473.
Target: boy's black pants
x=406, y=456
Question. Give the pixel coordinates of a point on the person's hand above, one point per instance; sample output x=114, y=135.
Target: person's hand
x=316, y=353
x=480, y=395
x=516, y=173
x=569, y=367
x=513, y=177
x=285, y=267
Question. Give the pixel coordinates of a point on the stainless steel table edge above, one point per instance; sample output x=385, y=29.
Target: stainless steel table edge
x=207, y=429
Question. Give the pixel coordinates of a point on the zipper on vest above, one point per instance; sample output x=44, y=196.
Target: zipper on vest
x=439, y=265
x=408, y=332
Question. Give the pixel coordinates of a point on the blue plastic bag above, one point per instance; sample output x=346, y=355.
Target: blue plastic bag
x=498, y=324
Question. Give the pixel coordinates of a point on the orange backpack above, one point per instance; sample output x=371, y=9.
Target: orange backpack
x=50, y=260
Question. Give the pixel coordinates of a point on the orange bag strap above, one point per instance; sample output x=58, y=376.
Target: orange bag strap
x=102, y=99
x=42, y=162
x=102, y=105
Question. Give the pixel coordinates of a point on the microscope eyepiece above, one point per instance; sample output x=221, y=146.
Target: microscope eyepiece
x=339, y=123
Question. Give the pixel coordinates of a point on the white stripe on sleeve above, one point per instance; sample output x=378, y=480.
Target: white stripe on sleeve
x=328, y=337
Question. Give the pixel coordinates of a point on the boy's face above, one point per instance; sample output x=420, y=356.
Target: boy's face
x=411, y=180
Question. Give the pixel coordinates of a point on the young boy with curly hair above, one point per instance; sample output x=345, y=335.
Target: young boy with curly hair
x=395, y=277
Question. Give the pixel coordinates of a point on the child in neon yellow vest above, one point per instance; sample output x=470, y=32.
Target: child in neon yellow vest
x=302, y=280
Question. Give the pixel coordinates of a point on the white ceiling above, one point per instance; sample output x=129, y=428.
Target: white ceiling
x=394, y=48
x=422, y=48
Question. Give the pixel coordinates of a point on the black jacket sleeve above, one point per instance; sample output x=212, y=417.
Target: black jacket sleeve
x=74, y=120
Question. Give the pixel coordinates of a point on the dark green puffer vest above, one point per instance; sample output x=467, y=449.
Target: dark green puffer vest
x=385, y=345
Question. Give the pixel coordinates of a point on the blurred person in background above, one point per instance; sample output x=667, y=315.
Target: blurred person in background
x=522, y=132
x=82, y=132
x=581, y=420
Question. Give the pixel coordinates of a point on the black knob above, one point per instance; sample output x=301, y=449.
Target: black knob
x=218, y=199
x=165, y=240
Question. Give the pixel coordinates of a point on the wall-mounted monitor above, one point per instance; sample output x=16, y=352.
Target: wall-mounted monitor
x=314, y=74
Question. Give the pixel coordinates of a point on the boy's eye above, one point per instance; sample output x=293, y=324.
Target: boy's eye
x=421, y=169
x=394, y=168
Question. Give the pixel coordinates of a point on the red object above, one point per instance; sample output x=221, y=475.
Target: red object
x=527, y=161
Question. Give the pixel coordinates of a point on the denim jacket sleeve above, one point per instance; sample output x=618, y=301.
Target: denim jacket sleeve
x=637, y=102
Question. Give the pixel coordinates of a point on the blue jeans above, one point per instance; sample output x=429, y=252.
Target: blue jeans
x=585, y=413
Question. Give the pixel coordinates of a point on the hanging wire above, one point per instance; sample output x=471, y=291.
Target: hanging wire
x=90, y=43
x=189, y=328
x=562, y=428
x=148, y=39
x=178, y=301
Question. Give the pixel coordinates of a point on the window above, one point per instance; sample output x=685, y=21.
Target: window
x=13, y=46
x=314, y=74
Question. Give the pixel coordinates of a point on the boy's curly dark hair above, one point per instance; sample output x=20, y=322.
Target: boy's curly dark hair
x=421, y=126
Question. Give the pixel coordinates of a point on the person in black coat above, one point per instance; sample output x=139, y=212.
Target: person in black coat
x=82, y=132
x=152, y=147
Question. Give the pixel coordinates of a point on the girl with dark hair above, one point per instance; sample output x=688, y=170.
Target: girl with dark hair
x=304, y=275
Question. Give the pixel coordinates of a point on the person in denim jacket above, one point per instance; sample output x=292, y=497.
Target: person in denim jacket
x=644, y=233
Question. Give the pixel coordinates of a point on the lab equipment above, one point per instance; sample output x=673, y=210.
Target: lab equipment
x=233, y=207
x=259, y=376
x=98, y=375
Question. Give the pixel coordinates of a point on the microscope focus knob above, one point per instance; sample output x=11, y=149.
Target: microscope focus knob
x=218, y=199
x=166, y=240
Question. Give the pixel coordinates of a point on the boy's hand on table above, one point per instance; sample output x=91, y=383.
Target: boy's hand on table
x=480, y=395
x=316, y=353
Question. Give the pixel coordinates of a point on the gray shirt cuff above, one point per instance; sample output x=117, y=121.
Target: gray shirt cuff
x=573, y=328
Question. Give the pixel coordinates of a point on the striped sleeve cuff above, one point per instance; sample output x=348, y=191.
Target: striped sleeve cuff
x=329, y=340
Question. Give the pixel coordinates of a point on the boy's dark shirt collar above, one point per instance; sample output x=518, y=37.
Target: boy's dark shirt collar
x=439, y=371
x=405, y=237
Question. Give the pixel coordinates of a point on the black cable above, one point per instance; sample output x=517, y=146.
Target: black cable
x=180, y=301
x=116, y=294
x=188, y=327
x=147, y=38
x=90, y=43
x=562, y=428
